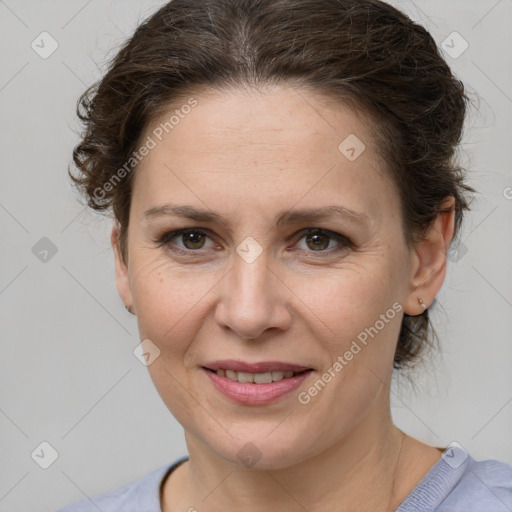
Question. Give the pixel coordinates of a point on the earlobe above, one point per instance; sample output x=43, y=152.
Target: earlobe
x=430, y=260
x=121, y=270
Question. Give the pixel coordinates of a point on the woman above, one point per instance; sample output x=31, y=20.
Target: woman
x=282, y=179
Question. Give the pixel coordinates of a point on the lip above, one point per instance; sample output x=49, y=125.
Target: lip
x=249, y=393
x=261, y=367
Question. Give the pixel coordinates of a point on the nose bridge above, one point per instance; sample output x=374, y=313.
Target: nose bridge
x=250, y=301
x=249, y=283
x=250, y=266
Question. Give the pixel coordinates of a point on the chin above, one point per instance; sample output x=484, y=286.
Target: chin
x=257, y=449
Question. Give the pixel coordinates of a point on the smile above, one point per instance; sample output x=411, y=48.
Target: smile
x=256, y=378
x=261, y=388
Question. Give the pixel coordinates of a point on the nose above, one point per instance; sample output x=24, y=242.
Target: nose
x=253, y=299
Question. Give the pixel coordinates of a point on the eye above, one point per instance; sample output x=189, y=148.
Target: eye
x=192, y=239
x=320, y=240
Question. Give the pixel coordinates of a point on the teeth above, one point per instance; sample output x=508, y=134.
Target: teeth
x=262, y=378
x=246, y=377
x=257, y=378
x=278, y=376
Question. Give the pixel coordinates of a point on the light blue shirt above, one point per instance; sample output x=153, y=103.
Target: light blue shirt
x=456, y=483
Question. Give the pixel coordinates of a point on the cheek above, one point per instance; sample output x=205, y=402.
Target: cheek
x=349, y=299
x=171, y=303
x=364, y=320
x=363, y=313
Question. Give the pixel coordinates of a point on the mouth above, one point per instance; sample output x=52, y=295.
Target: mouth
x=255, y=383
x=256, y=378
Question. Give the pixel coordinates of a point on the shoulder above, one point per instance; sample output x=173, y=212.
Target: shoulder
x=483, y=486
x=459, y=483
x=141, y=494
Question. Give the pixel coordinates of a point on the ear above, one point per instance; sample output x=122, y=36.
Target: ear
x=122, y=277
x=429, y=260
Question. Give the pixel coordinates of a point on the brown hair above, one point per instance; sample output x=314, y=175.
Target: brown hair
x=362, y=52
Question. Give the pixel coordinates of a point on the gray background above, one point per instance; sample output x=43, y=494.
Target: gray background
x=67, y=369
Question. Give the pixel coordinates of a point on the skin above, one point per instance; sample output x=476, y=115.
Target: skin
x=247, y=156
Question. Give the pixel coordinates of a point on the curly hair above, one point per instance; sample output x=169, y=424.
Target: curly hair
x=364, y=53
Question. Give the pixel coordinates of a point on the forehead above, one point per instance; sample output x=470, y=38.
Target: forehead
x=282, y=143
x=229, y=118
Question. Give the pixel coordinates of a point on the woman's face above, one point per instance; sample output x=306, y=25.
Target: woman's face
x=248, y=284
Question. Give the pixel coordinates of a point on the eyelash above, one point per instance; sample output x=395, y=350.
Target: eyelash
x=345, y=243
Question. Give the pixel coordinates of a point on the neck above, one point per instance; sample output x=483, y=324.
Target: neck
x=367, y=470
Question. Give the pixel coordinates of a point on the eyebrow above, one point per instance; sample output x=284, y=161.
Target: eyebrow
x=283, y=217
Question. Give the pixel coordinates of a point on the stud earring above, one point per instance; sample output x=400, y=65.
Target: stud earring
x=422, y=304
